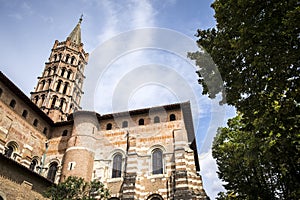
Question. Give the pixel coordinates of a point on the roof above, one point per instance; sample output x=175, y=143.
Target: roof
x=25, y=99
x=75, y=35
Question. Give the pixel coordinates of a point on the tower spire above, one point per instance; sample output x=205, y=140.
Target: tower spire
x=75, y=35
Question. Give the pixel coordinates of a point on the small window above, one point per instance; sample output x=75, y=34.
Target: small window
x=65, y=88
x=156, y=119
x=124, y=124
x=71, y=165
x=65, y=133
x=1, y=91
x=25, y=113
x=108, y=126
x=141, y=122
x=117, y=166
x=45, y=130
x=172, y=117
x=12, y=103
x=35, y=123
x=33, y=164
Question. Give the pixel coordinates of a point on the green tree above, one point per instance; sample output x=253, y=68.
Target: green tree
x=256, y=48
x=74, y=188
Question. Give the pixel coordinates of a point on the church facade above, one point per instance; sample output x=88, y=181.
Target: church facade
x=149, y=153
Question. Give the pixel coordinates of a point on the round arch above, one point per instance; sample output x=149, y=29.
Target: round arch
x=155, y=197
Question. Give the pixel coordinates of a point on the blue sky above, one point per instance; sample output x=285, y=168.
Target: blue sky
x=143, y=70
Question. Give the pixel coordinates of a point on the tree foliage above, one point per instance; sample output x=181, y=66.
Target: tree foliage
x=74, y=188
x=256, y=49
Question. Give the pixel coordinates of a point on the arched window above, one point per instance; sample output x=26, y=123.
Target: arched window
x=72, y=60
x=108, y=126
x=65, y=133
x=62, y=72
x=172, y=117
x=69, y=74
x=45, y=130
x=33, y=164
x=58, y=86
x=65, y=88
x=53, y=101
x=9, y=151
x=62, y=101
x=55, y=57
x=117, y=166
x=141, y=121
x=12, y=103
x=52, y=171
x=124, y=124
x=59, y=56
x=157, y=161
x=1, y=91
x=67, y=58
x=156, y=119
x=25, y=114
x=35, y=123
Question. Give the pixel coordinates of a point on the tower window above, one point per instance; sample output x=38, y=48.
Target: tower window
x=59, y=56
x=65, y=88
x=55, y=57
x=117, y=166
x=157, y=161
x=67, y=58
x=35, y=123
x=62, y=71
x=12, y=103
x=58, y=85
x=141, y=122
x=52, y=171
x=108, y=126
x=45, y=130
x=69, y=74
x=25, y=113
x=65, y=133
x=172, y=117
x=53, y=102
x=124, y=124
x=156, y=119
x=72, y=60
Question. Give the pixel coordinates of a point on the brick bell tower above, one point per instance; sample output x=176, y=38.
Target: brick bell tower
x=59, y=89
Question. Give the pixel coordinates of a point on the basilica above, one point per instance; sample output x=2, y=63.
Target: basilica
x=144, y=154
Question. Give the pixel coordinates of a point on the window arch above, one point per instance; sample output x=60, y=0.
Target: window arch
x=67, y=58
x=117, y=166
x=25, y=114
x=156, y=119
x=172, y=117
x=155, y=197
x=124, y=124
x=62, y=72
x=141, y=121
x=65, y=88
x=72, y=60
x=33, y=164
x=10, y=149
x=157, y=161
x=108, y=126
x=53, y=101
x=52, y=171
x=12, y=103
x=35, y=122
x=58, y=85
x=65, y=133
x=45, y=130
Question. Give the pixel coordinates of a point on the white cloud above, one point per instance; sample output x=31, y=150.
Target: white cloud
x=212, y=184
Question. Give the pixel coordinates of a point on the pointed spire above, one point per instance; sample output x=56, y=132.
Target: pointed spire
x=75, y=35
